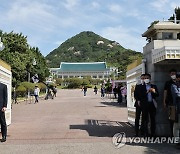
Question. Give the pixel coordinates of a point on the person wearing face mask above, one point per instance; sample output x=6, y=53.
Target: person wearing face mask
x=167, y=99
x=147, y=97
x=137, y=93
x=175, y=90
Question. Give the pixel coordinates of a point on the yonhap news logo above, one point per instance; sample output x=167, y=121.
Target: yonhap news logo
x=120, y=139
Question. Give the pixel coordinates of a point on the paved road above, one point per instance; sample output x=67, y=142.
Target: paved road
x=72, y=124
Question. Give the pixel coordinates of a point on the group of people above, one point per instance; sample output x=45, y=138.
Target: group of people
x=120, y=91
x=84, y=89
x=145, y=95
x=51, y=92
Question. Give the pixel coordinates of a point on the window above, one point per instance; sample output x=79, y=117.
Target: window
x=178, y=36
x=167, y=35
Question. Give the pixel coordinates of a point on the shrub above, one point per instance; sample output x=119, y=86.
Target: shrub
x=75, y=83
x=89, y=86
x=28, y=85
x=21, y=91
x=42, y=87
x=85, y=82
x=59, y=81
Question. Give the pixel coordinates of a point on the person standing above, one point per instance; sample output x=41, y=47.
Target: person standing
x=115, y=91
x=167, y=99
x=175, y=90
x=102, y=91
x=124, y=93
x=137, y=95
x=85, y=90
x=54, y=91
x=95, y=90
x=3, y=106
x=148, y=104
x=119, y=93
x=14, y=96
x=36, y=94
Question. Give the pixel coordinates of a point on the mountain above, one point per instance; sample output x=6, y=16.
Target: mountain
x=90, y=47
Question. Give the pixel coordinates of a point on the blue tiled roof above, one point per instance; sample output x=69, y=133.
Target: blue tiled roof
x=89, y=66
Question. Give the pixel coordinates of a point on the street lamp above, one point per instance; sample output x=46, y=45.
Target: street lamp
x=34, y=63
x=1, y=45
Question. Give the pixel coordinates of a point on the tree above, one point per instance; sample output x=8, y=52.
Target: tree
x=59, y=81
x=20, y=55
x=177, y=12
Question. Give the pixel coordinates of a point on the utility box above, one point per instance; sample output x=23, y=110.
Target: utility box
x=6, y=78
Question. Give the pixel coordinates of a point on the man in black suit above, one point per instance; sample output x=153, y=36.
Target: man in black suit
x=148, y=93
x=137, y=93
x=3, y=106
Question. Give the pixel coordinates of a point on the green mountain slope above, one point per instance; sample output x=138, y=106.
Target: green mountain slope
x=90, y=47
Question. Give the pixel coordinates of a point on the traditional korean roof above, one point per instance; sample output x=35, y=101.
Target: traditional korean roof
x=79, y=67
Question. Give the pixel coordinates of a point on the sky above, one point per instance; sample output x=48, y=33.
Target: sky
x=48, y=23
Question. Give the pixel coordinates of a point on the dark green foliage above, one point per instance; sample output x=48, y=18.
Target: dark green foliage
x=23, y=88
x=177, y=11
x=74, y=83
x=85, y=82
x=19, y=55
x=21, y=91
x=84, y=48
x=59, y=81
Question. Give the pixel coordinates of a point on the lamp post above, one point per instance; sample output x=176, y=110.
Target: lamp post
x=34, y=63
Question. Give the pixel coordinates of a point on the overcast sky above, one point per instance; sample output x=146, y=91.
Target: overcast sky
x=48, y=23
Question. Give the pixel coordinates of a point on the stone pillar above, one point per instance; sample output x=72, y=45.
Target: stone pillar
x=174, y=35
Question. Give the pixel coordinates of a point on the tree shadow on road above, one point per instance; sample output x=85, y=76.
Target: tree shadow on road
x=104, y=128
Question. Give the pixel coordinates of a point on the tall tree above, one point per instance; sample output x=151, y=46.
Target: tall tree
x=20, y=55
x=177, y=12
